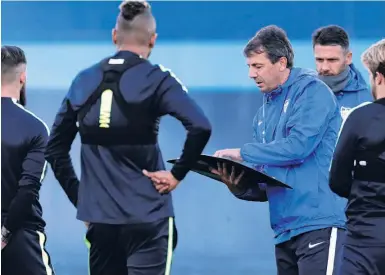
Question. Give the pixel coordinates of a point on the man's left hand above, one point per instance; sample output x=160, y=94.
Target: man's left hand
x=233, y=154
x=231, y=180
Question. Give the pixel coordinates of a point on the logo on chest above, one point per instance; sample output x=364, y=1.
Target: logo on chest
x=285, y=105
x=345, y=111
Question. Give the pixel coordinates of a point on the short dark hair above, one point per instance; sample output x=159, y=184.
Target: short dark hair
x=274, y=42
x=11, y=58
x=330, y=36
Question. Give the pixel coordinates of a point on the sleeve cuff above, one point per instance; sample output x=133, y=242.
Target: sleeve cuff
x=244, y=154
x=179, y=172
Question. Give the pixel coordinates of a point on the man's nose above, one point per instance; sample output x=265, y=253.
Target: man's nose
x=325, y=68
x=253, y=73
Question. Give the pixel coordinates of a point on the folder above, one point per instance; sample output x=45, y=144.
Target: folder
x=250, y=177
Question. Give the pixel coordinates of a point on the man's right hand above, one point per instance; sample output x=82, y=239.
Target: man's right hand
x=5, y=236
x=231, y=180
x=164, y=181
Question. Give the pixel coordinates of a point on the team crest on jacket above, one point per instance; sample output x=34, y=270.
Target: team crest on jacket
x=345, y=112
x=285, y=105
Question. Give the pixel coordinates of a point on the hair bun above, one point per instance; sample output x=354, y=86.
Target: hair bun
x=130, y=9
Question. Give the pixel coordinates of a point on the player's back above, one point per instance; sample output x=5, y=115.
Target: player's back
x=20, y=130
x=366, y=206
x=119, y=103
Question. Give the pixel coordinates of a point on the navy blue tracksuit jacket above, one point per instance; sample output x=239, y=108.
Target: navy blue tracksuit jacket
x=117, y=115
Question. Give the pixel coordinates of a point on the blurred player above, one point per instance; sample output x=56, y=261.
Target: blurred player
x=358, y=174
x=295, y=132
x=116, y=106
x=333, y=59
x=23, y=140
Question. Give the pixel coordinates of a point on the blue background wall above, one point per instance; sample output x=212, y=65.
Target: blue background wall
x=91, y=21
x=202, y=43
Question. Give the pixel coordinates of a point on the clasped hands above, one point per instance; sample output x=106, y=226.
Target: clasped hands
x=165, y=182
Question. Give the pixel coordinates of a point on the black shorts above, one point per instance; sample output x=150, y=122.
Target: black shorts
x=316, y=252
x=25, y=254
x=362, y=260
x=142, y=249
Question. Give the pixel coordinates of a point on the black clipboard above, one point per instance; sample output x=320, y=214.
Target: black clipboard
x=250, y=177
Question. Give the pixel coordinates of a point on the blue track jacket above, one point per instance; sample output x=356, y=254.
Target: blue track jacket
x=295, y=133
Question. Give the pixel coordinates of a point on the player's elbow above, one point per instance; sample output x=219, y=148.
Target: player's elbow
x=338, y=191
x=299, y=150
x=49, y=153
x=29, y=184
x=289, y=158
x=298, y=157
x=338, y=185
x=203, y=128
x=206, y=129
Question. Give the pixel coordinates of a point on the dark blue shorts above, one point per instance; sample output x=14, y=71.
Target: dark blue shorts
x=25, y=254
x=362, y=260
x=316, y=252
x=141, y=249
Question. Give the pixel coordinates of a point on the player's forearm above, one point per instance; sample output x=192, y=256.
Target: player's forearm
x=340, y=180
x=63, y=133
x=20, y=206
x=342, y=166
x=197, y=138
x=174, y=100
x=340, y=190
x=65, y=174
x=276, y=153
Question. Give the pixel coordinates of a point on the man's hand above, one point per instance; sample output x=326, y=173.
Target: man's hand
x=231, y=180
x=163, y=181
x=5, y=236
x=3, y=244
x=234, y=154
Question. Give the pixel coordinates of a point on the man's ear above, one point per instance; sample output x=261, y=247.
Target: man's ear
x=282, y=64
x=379, y=79
x=23, y=78
x=153, y=40
x=114, y=36
x=349, y=58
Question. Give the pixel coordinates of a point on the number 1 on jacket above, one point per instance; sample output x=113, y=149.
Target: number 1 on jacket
x=105, y=109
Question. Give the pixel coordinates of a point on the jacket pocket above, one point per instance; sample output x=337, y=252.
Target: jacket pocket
x=280, y=203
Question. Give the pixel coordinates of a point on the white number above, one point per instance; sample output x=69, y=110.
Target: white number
x=105, y=109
